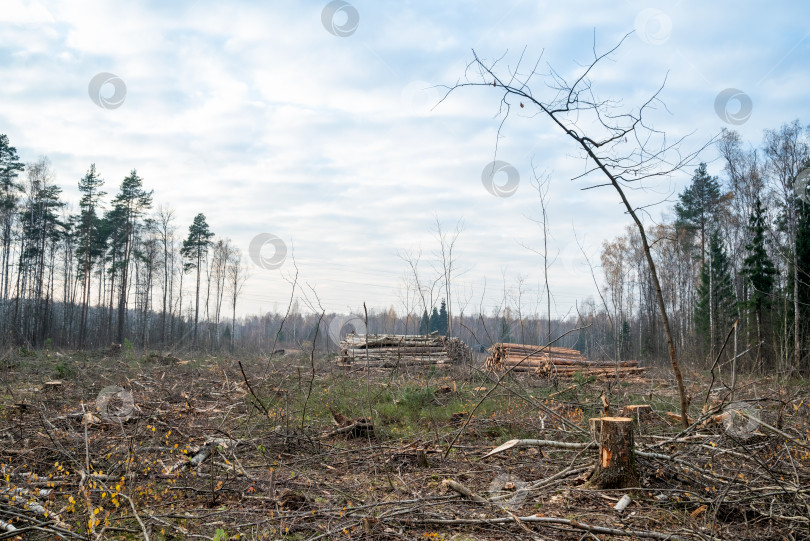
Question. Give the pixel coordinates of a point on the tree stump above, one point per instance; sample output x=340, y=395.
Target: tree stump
x=52, y=386
x=616, y=467
x=639, y=412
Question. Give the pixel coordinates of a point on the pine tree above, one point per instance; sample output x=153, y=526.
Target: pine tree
x=505, y=330
x=625, y=341
x=41, y=230
x=697, y=207
x=715, y=294
x=423, y=323
x=90, y=246
x=195, y=247
x=111, y=231
x=443, y=319
x=433, y=323
x=130, y=203
x=758, y=271
x=10, y=189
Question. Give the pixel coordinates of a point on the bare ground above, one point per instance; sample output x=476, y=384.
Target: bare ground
x=199, y=453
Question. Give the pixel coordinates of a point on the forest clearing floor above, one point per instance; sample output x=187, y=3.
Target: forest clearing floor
x=126, y=445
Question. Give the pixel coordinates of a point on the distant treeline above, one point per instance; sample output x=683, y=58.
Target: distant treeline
x=113, y=271
x=736, y=248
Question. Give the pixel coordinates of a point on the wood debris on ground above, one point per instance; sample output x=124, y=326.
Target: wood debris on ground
x=351, y=428
x=401, y=350
x=552, y=361
x=199, y=458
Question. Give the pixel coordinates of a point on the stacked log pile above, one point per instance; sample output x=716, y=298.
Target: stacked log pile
x=555, y=362
x=401, y=350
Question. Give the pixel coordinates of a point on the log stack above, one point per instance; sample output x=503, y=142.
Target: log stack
x=554, y=362
x=401, y=350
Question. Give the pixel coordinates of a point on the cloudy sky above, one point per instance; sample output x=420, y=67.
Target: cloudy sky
x=321, y=123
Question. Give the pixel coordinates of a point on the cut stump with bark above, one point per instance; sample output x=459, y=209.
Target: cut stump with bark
x=639, y=412
x=616, y=467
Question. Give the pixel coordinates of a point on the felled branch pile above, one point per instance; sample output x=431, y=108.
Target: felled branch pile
x=351, y=428
x=401, y=350
x=554, y=361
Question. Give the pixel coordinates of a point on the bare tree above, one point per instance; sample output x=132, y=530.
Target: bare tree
x=425, y=290
x=238, y=274
x=543, y=184
x=613, y=268
x=788, y=152
x=223, y=248
x=447, y=241
x=166, y=229
x=409, y=298
x=619, y=145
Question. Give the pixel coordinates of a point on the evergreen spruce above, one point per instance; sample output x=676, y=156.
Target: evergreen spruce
x=443, y=319
x=697, y=207
x=714, y=312
x=433, y=324
x=758, y=272
x=505, y=331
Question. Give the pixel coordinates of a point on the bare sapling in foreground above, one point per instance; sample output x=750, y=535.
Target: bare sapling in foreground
x=619, y=144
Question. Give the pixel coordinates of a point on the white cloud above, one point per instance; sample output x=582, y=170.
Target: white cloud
x=22, y=12
x=257, y=116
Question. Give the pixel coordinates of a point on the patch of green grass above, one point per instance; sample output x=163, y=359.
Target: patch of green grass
x=412, y=400
x=581, y=379
x=64, y=370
